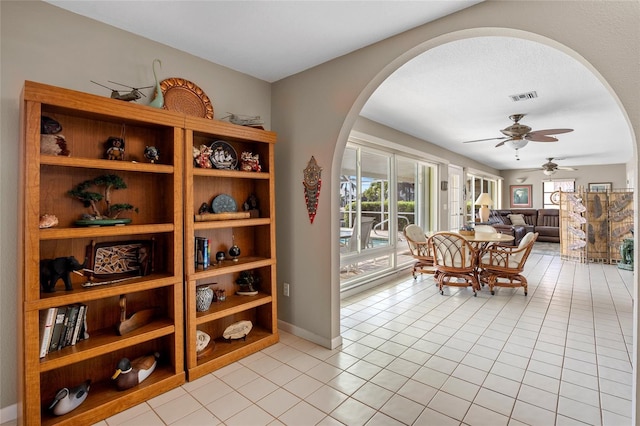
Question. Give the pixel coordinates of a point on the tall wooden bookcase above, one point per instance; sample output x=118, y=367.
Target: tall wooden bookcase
x=157, y=191
x=254, y=235
x=168, y=194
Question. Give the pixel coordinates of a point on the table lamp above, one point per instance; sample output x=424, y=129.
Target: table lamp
x=484, y=200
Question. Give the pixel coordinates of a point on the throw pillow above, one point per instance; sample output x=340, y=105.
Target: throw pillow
x=517, y=219
x=495, y=218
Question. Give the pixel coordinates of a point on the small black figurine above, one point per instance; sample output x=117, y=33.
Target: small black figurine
x=151, y=153
x=52, y=270
x=115, y=148
x=204, y=208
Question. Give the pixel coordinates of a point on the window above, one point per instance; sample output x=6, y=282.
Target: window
x=476, y=185
x=391, y=189
x=551, y=186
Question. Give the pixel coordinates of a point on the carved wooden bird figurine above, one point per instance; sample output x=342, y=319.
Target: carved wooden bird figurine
x=130, y=373
x=68, y=399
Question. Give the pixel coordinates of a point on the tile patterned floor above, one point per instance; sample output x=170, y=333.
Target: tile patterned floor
x=560, y=356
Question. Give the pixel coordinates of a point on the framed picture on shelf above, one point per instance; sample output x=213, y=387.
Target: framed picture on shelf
x=520, y=196
x=600, y=187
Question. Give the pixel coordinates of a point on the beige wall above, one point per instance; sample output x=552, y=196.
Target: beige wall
x=615, y=173
x=49, y=45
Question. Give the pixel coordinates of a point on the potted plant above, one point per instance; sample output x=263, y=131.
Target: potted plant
x=103, y=212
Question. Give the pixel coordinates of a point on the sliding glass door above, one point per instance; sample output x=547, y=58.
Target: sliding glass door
x=380, y=193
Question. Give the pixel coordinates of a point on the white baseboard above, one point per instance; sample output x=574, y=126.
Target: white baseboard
x=307, y=335
x=9, y=413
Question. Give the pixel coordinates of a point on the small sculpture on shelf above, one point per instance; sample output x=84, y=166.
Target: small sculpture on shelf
x=204, y=208
x=234, y=250
x=251, y=206
x=114, y=148
x=238, y=330
x=204, y=344
x=132, y=95
x=68, y=399
x=109, y=214
x=152, y=154
x=135, y=321
x=51, y=141
x=250, y=162
x=202, y=157
x=60, y=268
x=131, y=373
x=48, y=221
x=158, y=100
x=247, y=283
x=220, y=256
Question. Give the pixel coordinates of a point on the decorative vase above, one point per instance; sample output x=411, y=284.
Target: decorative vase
x=204, y=297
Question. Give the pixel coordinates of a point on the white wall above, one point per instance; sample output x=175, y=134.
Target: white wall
x=46, y=44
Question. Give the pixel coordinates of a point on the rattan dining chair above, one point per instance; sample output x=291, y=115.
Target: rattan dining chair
x=454, y=260
x=420, y=250
x=502, y=266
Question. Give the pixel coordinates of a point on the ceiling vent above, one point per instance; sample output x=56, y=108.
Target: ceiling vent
x=524, y=96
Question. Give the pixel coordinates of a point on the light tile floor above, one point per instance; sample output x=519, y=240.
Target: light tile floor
x=560, y=356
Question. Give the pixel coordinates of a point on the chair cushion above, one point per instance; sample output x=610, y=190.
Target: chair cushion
x=526, y=239
x=415, y=233
x=517, y=219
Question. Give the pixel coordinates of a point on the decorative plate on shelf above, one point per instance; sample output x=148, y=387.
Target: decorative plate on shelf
x=183, y=96
x=223, y=156
x=223, y=204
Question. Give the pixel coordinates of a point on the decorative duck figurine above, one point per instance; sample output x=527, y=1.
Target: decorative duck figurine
x=158, y=101
x=130, y=373
x=69, y=399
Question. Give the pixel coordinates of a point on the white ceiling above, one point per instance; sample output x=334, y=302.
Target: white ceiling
x=455, y=92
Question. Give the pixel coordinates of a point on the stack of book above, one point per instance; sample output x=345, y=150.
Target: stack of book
x=61, y=327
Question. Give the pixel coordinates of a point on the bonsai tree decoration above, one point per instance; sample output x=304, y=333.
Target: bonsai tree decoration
x=102, y=210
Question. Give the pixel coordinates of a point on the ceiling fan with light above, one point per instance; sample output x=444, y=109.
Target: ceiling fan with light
x=550, y=167
x=519, y=135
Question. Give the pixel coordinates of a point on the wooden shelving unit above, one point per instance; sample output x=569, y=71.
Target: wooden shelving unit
x=157, y=191
x=255, y=236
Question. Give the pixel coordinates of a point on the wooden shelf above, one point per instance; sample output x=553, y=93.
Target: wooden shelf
x=88, y=121
x=255, y=236
x=167, y=194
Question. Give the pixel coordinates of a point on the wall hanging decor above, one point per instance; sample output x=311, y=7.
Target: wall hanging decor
x=312, y=182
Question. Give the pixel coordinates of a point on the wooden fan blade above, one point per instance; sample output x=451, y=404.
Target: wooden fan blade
x=540, y=138
x=550, y=131
x=487, y=139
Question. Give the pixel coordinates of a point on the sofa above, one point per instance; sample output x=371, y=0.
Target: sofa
x=546, y=222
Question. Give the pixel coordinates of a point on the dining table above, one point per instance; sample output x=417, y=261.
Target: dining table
x=481, y=240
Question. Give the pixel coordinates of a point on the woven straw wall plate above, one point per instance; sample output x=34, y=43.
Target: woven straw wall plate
x=183, y=96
